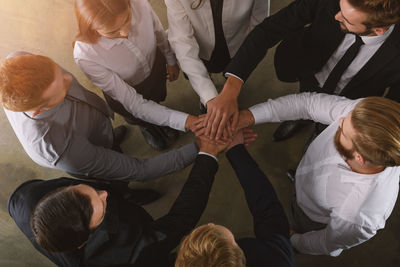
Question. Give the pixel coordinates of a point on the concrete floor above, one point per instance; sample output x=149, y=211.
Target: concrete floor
x=47, y=27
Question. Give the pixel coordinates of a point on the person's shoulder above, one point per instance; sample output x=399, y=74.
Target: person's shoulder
x=276, y=250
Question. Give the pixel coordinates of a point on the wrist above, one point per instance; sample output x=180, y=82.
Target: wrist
x=189, y=121
x=232, y=86
x=209, y=150
x=249, y=117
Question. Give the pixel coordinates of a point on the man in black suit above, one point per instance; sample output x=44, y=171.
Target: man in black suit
x=211, y=245
x=77, y=223
x=363, y=36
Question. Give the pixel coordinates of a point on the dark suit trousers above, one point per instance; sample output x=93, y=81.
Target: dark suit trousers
x=184, y=214
x=152, y=88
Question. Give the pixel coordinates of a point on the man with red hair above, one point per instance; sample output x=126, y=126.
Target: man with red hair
x=62, y=125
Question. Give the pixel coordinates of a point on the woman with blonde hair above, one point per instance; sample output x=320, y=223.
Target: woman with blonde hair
x=123, y=49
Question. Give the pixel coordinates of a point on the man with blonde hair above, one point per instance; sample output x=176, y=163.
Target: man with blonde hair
x=213, y=245
x=347, y=182
x=62, y=125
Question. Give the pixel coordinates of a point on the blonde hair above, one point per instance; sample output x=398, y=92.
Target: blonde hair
x=207, y=246
x=23, y=80
x=377, y=123
x=92, y=15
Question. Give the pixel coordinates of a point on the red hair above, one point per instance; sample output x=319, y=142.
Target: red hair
x=23, y=79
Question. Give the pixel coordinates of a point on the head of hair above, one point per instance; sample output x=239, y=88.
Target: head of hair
x=381, y=13
x=23, y=80
x=97, y=14
x=207, y=246
x=60, y=221
x=377, y=124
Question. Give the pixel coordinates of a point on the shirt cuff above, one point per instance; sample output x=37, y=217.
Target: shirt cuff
x=207, y=95
x=230, y=74
x=258, y=112
x=178, y=120
x=170, y=58
x=204, y=153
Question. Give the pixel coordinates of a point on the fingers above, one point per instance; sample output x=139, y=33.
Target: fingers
x=235, y=120
x=227, y=132
x=215, y=124
x=209, y=121
x=221, y=126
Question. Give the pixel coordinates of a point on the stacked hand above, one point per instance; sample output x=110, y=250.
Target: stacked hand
x=209, y=146
x=222, y=111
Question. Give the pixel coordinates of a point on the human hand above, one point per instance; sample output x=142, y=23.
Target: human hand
x=172, y=72
x=248, y=136
x=195, y=124
x=223, y=110
x=246, y=119
x=210, y=146
x=244, y=136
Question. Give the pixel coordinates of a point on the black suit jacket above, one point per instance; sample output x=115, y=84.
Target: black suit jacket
x=128, y=236
x=272, y=246
x=311, y=25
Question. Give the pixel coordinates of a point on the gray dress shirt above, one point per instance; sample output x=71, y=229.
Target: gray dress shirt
x=76, y=136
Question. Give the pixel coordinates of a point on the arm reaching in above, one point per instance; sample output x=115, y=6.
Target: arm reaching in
x=223, y=109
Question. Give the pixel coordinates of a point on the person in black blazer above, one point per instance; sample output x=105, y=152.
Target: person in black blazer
x=94, y=226
x=271, y=245
x=311, y=31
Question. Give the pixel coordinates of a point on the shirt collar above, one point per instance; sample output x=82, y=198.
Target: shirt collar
x=374, y=40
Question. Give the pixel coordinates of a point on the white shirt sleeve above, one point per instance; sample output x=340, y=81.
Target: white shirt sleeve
x=321, y=108
x=337, y=236
x=133, y=102
x=162, y=40
x=183, y=42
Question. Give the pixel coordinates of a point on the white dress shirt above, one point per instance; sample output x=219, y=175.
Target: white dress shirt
x=353, y=205
x=116, y=65
x=192, y=36
x=371, y=45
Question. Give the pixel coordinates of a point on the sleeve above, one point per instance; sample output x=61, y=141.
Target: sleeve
x=337, y=236
x=268, y=33
x=118, y=89
x=268, y=214
x=162, y=39
x=184, y=214
x=321, y=108
x=183, y=42
x=84, y=158
x=258, y=13
x=192, y=200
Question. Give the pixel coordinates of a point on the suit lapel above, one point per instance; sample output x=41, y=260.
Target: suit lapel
x=387, y=52
x=102, y=233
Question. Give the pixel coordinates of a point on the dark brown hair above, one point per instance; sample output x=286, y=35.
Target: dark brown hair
x=60, y=221
x=381, y=13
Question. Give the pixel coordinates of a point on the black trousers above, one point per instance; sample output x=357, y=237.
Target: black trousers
x=152, y=88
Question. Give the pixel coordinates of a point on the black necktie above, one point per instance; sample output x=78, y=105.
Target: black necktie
x=342, y=65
